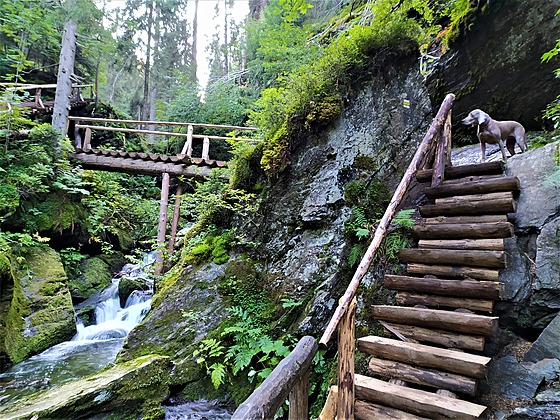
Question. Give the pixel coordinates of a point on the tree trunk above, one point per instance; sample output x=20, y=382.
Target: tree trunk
x=64, y=83
x=194, y=67
x=146, y=105
x=226, y=55
x=152, y=116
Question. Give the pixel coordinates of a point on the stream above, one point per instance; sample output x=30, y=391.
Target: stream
x=96, y=346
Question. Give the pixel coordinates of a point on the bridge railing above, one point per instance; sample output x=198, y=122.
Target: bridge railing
x=433, y=153
x=151, y=130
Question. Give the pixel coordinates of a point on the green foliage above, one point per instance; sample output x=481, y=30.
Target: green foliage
x=404, y=218
x=552, y=111
x=71, y=259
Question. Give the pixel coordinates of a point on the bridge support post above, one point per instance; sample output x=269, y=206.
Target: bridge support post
x=346, y=337
x=162, y=225
x=175, y=220
x=206, y=148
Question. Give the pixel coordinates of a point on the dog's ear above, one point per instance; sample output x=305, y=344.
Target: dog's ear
x=483, y=117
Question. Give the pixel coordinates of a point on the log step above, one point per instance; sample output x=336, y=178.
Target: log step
x=422, y=376
x=502, y=206
x=421, y=403
x=458, y=199
x=364, y=410
x=494, y=218
x=453, y=271
x=502, y=184
x=447, y=339
x=434, y=301
x=464, y=231
x=453, y=172
x=475, y=258
x=464, y=244
x=473, y=178
x=435, y=318
x=445, y=287
x=424, y=356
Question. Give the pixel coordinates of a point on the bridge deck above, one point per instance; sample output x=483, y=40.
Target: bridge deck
x=146, y=163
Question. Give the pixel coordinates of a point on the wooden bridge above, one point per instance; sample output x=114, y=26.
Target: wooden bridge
x=183, y=164
x=429, y=361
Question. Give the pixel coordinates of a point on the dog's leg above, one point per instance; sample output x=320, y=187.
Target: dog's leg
x=483, y=151
x=510, y=145
x=503, y=149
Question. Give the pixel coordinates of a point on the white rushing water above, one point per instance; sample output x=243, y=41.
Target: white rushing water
x=91, y=349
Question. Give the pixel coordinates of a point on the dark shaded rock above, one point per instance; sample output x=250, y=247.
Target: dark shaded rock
x=547, y=345
x=496, y=66
x=41, y=313
x=515, y=275
x=127, y=285
x=511, y=379
x=547, y=266
x=549, y=396
x=548, y=412
x=95, y=276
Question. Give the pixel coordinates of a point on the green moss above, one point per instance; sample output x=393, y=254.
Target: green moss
x=247, y=171
x=95, y=275
x=366, y=163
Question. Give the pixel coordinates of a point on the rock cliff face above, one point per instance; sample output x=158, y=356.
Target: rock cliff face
x=496, y=65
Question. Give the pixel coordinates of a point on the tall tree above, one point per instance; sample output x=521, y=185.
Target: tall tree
x=194, y=49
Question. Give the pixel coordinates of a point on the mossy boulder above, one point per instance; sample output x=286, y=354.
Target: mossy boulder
x=41, y=313
x=95, y=275
x=128, y=390
x=6, y=292
x=127, y=285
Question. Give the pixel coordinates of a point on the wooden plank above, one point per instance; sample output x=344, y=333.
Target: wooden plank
x=475, y=258
x=464, y=244
x=451, y=172
x=490, y=218
x=422, y=376
x=505, y=183
x=464, y=231
x=435, y=318
x=503, y=206
x=368, y=411
x=458, y=199
x=346, y=338
x=385, y=221
x=445, y=287
x=329, y=409
x=447, y=339
x=265, y=401
x=452, y=361
x=416, y=401
x=454, y=271
x=431, y=301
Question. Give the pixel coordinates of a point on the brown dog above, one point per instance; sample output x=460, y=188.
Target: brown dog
x=503, y=133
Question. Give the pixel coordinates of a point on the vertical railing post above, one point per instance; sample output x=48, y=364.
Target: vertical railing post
x=206, y=148
x=162, y=225
x=442, y=152
x=298, y=399
x=346, y=336
x=87, y=139
x=175, y=220
x=187, y=147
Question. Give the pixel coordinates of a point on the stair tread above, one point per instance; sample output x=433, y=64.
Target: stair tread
x=496, y=230
x=437, y=318
x=423, y=355
x=500, y=206
x=429, y=300
x=475, y=257
x=454, y=271
x=462, y=171
x=502, y=184
x=445, y=287
x=496, y=244
x=457, y=199
x=416, y=401
x=365, y=410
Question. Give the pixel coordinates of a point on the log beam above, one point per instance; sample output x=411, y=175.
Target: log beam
x=475, y=258
x=435, y=301
x=451, y=172
x=502, y=206
x=462, y=244
x=454, y=271
x=492, y=218
x=502, y=184
x=445, y=287
x=464, y=231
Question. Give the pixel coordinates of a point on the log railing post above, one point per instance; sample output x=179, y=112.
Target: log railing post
x=175, y=220
x=87, y=139
x=187, y=147
x=346, y=337
x=162, y=225
x=443, y=152
x=298, y=399
x=206, y=148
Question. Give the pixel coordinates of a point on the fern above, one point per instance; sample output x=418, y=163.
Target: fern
x=355, y=255
x=404, y=218
x=217, y=374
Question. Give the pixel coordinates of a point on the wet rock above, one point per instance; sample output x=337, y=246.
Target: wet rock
x=95, y=275
x=127, y=285
x=41, y=313
x=547, y=266
x=137, y=387
x=511, y=379
x=548, y=412
x=548, y=343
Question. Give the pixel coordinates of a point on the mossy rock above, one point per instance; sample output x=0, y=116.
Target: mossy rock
x=95, y=276
x=134, y=389
x=128, y=285
x=41, y=312
x=6, y=292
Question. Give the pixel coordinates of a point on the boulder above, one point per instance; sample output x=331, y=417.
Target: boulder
x=129, y=390
x=95, y=275
x=548, y=343
x=41, y=313
x=547, y=266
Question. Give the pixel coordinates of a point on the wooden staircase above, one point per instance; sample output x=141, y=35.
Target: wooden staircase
x=432, y=361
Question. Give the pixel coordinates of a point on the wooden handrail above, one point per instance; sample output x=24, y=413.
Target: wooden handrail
x=169, y=123
x=267, y=399
x=362, y=269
